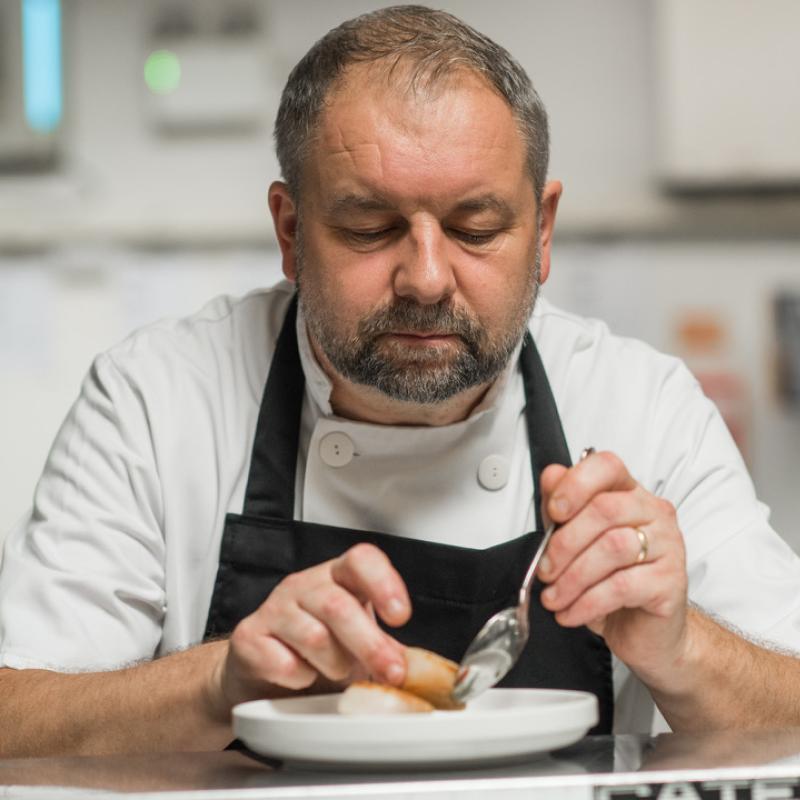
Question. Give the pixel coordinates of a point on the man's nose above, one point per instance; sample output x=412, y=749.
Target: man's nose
x=424, y=272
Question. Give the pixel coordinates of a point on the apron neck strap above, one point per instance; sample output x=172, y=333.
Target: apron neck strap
x=273, y=463
x=546, y=440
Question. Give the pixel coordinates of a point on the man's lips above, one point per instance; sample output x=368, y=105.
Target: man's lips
x=427, y=337
x=423, y=334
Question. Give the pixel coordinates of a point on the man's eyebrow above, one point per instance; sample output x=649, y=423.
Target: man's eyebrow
x=358, y=202
x=486, y=202
x=350, y=202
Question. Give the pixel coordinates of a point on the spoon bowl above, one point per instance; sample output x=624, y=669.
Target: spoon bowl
x=500, y=642
x=491, y=654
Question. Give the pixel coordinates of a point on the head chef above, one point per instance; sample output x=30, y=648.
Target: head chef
x=283, y=492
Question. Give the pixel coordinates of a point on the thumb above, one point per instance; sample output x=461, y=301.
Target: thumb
x=550, y=478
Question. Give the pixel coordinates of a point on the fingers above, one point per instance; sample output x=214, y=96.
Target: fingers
x=617, y=547
x=566, y=491
x=319, y=623
x=645, y=586
x=345, y=633
x=260, y=659
x=614, y=550
x=622, y=570
x=301, y=626
x=367, y=573
x=603, y=516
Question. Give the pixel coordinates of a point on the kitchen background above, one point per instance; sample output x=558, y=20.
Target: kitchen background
x=135, y=154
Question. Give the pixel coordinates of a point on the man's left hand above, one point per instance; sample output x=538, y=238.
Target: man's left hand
x=616, y=564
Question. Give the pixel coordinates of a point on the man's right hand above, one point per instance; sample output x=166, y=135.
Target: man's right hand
x=317, y=627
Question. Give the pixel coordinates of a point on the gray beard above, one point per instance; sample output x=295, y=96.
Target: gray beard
x=415, y=375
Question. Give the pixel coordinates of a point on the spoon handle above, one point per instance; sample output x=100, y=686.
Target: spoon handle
x=525, y=590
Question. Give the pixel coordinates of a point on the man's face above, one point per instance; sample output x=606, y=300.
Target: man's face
x=416, y=247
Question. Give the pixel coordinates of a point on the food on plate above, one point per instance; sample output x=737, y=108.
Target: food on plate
x=431, y=677
x=366, y=697
x=428, y=686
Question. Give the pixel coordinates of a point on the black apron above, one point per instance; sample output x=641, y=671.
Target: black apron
x=453, y=590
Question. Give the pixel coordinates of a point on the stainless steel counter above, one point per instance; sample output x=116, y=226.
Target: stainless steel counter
x=728, y=766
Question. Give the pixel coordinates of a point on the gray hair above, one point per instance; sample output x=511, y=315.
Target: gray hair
x=435, y=44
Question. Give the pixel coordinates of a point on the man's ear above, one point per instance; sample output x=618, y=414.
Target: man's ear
x=548, y=207
x=284, y=218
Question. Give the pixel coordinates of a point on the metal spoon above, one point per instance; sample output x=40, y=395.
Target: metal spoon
x=502, y=639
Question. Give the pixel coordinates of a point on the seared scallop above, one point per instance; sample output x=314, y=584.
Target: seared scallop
x=365, y=697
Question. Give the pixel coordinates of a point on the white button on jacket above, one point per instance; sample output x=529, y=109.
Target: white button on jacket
x=336, y=449
x=493, y=472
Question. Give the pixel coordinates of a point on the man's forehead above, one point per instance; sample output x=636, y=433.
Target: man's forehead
x=376, y=144
x=391, y=90
x=467, y=114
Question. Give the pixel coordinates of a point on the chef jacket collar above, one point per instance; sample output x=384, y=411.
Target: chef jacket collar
x=320, y=387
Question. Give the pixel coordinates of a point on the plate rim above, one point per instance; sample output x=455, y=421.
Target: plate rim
x=300, y=738
x=575, y=696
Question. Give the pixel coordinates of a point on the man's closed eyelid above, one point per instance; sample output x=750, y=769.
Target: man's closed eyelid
x=475, y=237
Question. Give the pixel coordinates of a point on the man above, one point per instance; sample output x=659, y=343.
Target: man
x=247, y=494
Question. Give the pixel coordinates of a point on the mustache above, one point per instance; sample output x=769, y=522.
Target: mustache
x=409, y=316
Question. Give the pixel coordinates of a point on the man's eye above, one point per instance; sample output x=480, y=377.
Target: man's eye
x=475, y=238
x=368, y=237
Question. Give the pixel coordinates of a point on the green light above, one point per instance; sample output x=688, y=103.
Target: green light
x=162, y=72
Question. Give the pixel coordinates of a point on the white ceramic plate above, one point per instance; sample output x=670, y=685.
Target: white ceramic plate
x=497, y=726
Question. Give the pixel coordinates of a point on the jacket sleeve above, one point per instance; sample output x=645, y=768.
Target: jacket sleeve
x=82, y=581
x=740, y=569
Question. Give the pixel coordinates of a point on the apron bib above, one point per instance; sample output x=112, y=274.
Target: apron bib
x=453, y=590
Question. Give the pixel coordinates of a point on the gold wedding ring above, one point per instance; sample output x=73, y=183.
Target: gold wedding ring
x=644, y=545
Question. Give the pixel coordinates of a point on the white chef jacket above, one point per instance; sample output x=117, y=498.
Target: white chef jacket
x=117, y=559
